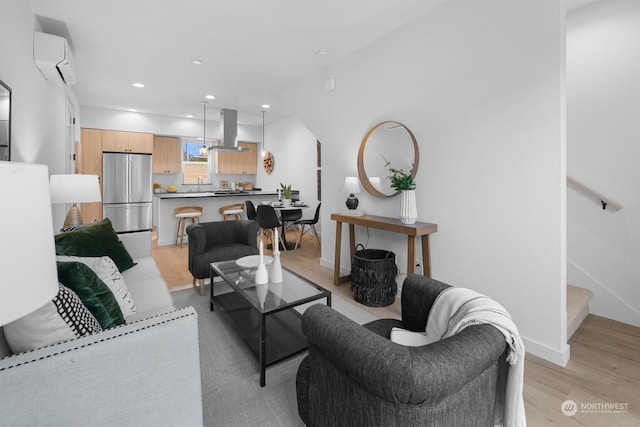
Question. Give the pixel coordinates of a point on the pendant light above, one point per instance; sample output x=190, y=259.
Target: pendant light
x=264, y=152
x=204, y=123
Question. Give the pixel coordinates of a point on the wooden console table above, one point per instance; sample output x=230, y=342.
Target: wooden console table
x=422, y=229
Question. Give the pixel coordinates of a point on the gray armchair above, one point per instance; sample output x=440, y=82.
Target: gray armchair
x=219, y=241
x=355, y=376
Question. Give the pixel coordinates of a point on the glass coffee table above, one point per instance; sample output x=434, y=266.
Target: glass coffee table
x=264, y=315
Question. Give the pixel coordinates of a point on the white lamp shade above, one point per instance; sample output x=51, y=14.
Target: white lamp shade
x=27, y=252
x=75, y=188
x=351, y=185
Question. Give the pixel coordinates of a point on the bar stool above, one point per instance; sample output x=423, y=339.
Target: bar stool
x=183, y=213
x=229, y=210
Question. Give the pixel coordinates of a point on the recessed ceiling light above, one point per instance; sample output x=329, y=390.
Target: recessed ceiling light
x=138, y=85
x=266, y=106
x=189, y=116
x=210, y=97
x=133, y=110
x=196, y=62
x=321, y=52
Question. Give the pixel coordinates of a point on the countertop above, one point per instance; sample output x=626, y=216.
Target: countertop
x=214, y=193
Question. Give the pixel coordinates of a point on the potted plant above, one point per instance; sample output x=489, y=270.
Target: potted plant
x=286, y=194
x=403, y=182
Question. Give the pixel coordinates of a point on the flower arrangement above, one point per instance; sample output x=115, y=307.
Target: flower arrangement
x=286, y=190
x=400, y=179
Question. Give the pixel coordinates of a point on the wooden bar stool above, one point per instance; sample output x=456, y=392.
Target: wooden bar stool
x=232, y=210
x=183, y=213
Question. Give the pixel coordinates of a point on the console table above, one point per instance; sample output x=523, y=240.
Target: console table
x=422, y=229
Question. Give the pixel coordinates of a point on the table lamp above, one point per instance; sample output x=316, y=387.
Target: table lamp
x=27, y=252
x=351, y=186
x=74, y=188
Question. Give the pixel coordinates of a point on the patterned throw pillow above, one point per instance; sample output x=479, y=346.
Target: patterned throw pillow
x=108, y=272
x=61, y=319
x=77, y=227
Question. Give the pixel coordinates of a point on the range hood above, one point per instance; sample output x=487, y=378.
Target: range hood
x=228, y=132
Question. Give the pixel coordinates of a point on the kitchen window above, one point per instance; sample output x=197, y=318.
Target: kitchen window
x=195, y=163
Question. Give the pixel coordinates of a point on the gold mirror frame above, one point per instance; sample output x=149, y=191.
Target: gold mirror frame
x=362, y=174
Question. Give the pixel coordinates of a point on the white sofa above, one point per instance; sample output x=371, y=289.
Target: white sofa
x=143, y=373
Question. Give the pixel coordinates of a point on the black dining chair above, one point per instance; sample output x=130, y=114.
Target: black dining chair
x=290, y=216
x=268, y=220
x=308, y=225
x=251, y=210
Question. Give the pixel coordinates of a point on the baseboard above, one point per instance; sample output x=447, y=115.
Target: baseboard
x=329, y=264
x=559, y=357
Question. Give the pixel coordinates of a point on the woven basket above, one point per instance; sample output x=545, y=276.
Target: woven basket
x=373, y=275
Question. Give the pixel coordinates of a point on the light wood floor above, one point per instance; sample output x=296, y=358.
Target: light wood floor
x=605, y=354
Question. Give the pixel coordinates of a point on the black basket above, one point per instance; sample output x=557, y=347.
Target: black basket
x=373, y=275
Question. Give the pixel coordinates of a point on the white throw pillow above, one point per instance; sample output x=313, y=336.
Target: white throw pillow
x=61, y=319
x=108, y=272
x=409, y=338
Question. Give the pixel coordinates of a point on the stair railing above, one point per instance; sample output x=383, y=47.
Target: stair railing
x=603, y=200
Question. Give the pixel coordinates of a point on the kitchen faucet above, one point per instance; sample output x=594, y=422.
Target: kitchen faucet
x=199, y=182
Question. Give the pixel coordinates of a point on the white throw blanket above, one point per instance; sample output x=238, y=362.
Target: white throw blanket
x=455, y=309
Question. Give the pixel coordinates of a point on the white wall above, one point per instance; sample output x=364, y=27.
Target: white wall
x=481, y=86
x=603, y=92
x=38, y=107
x=294, y=151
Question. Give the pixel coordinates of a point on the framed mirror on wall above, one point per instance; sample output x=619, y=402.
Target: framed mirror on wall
x=5, y=122
x=390, y=142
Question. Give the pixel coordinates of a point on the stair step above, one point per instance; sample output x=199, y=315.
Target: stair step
x=577, y=307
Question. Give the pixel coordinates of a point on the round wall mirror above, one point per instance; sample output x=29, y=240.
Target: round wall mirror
x=386, y=142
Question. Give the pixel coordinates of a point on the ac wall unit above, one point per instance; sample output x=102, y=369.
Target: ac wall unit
x=52, y=56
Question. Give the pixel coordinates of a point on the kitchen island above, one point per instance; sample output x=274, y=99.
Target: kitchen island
x=210, y=201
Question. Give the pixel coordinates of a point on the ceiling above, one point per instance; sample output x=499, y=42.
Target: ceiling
x=250, y=50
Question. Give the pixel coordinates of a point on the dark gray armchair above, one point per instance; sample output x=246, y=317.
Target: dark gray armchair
x=355, y=376
x=219, y=241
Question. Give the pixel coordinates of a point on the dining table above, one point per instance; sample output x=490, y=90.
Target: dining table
x=291, y=207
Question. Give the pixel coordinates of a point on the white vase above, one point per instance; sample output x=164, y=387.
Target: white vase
x=408, y=209
x=286, y=202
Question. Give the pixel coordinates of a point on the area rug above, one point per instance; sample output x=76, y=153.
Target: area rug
x=231, y=392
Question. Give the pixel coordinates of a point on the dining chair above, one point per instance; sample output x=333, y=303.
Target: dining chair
x=290, y=216
x=307, y=225
x=268, y=220
x=251, y=210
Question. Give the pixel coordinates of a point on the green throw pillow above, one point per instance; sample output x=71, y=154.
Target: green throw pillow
x=92, y=291
x=99, y=239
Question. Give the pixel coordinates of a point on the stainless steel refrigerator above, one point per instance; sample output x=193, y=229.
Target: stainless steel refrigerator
x=127, y=191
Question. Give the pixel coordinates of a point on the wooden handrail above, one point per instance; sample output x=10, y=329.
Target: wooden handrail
x=603, y=200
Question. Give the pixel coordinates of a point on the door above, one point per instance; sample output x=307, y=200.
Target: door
x=140, y=185
x=115, y=176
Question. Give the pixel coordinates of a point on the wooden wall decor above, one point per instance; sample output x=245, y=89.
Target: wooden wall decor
x=267, y=162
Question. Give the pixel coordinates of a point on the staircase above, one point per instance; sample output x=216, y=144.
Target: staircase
x=577, y=307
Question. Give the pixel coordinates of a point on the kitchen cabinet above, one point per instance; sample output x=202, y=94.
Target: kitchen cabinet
x=89, y=161
x=238, y=162
x=127, y=142
x=167, y=154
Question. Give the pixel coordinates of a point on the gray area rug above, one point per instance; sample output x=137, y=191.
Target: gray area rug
x=231, y=392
